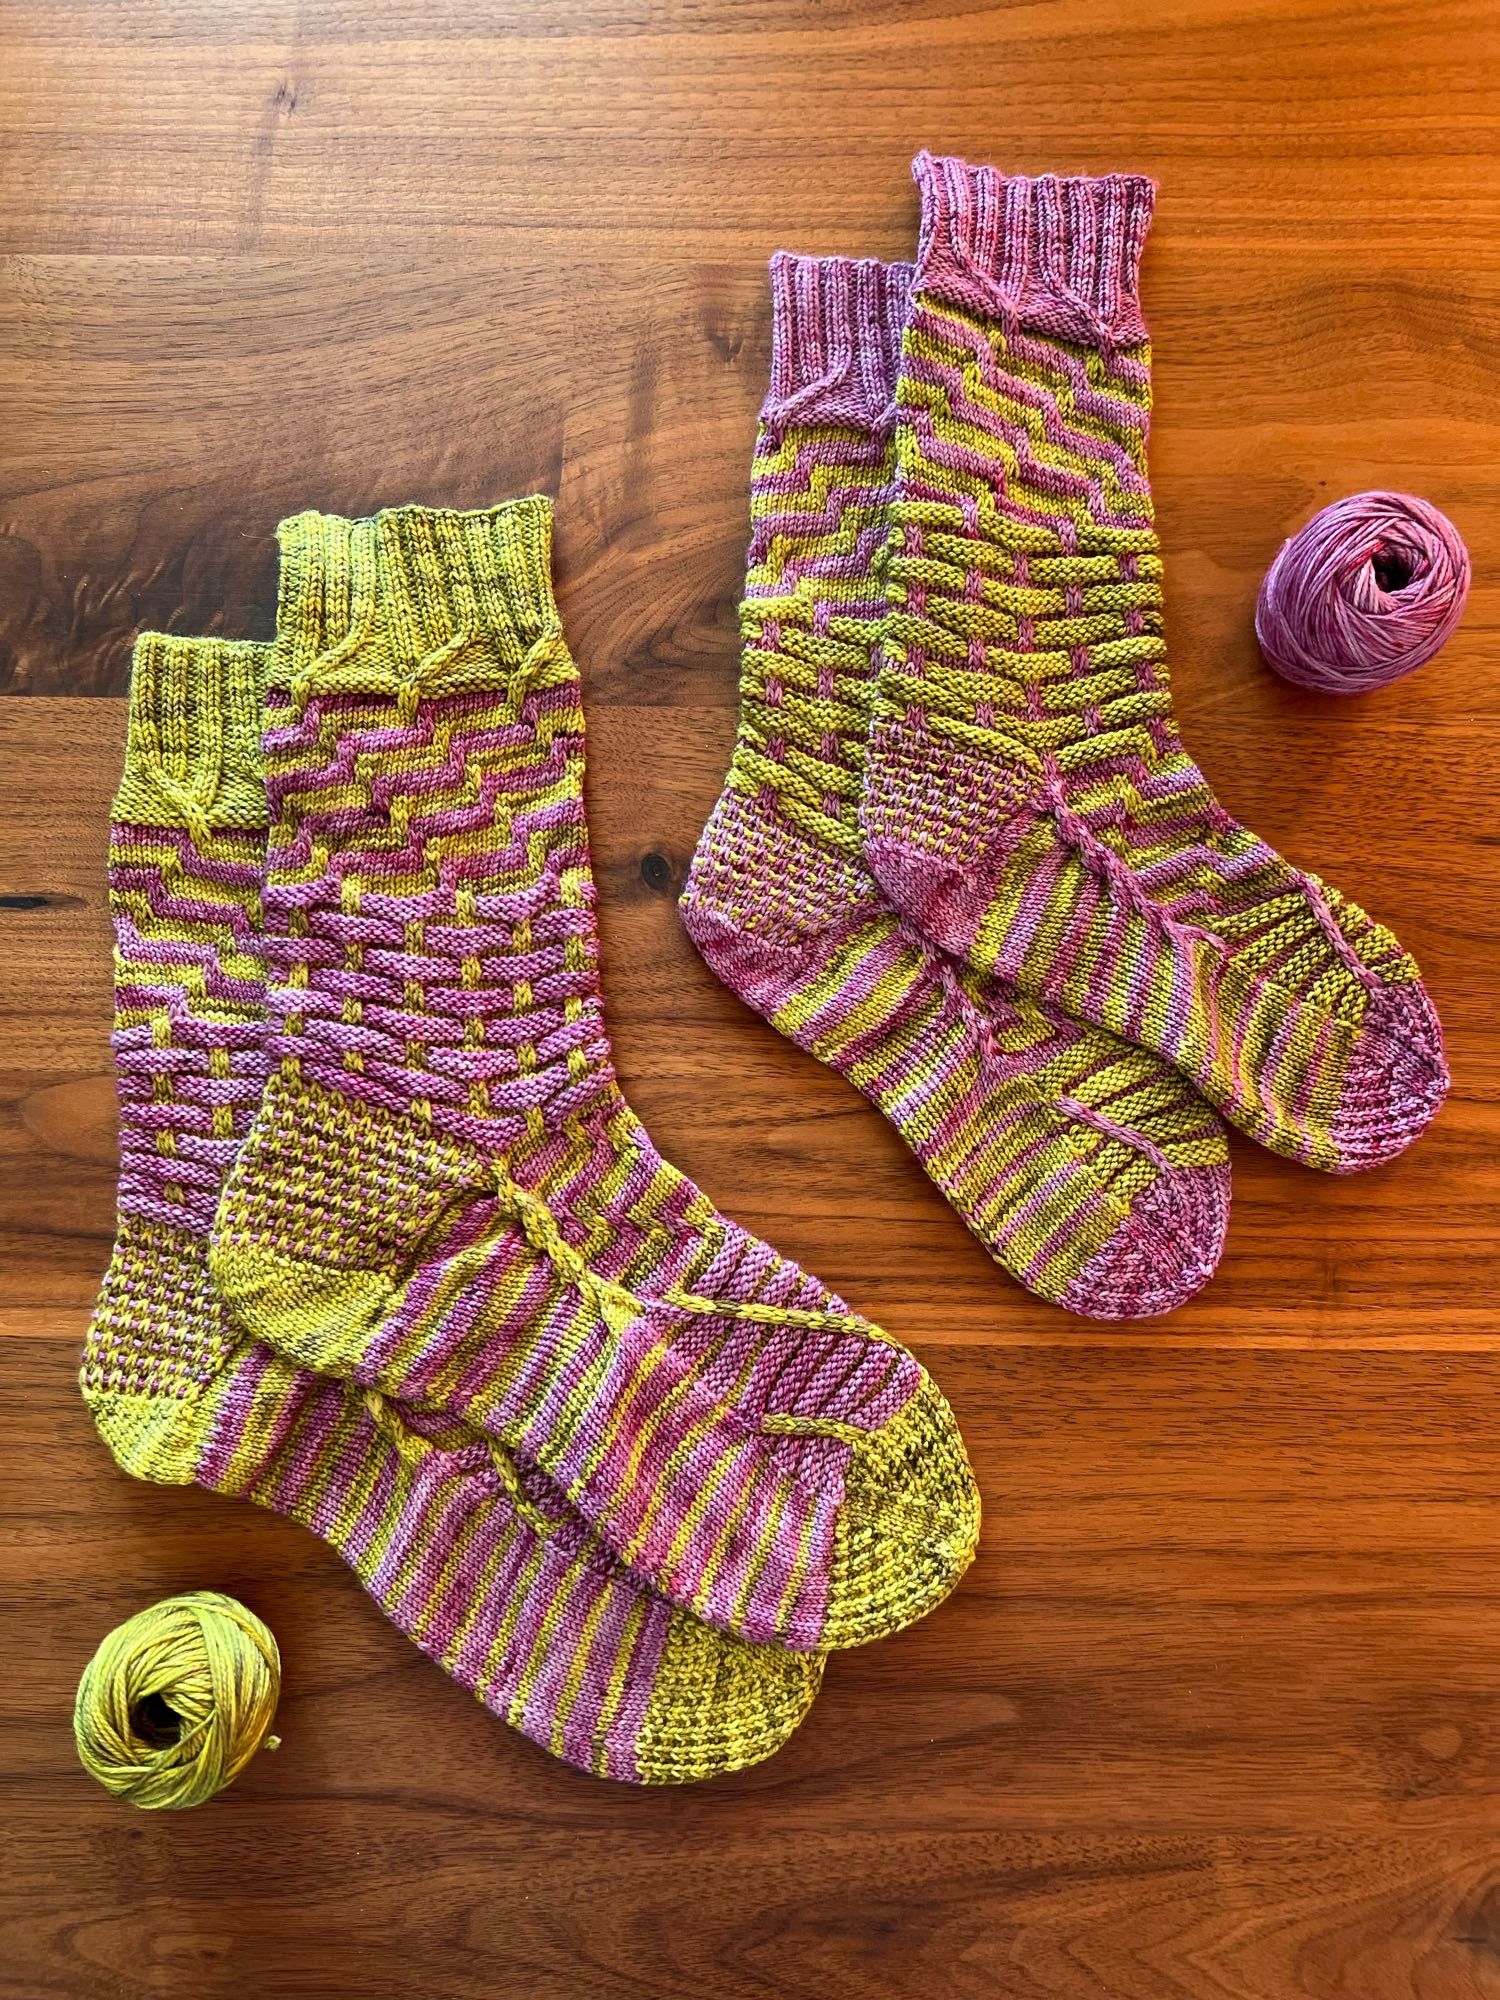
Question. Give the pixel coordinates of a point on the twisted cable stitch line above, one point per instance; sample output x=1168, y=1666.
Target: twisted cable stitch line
x=448, y=572
x=1102, y=861
x=1061, y=252
x=825, y=367
x=185, y=757
x=540, y=1228
x=417, y=1450
x=981, y=1024
x=167, y=732
x=957, y=705
x=446, y=669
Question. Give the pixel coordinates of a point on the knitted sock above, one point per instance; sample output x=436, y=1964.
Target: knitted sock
x=442, y=1083
x=1028, y=800
x=1089, y=1169
x=481, y=1564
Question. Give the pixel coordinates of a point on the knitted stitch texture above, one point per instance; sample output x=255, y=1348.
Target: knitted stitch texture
x=1091, y=1170
x=1028, y=799
x=483, y=1565
x=444, y=1195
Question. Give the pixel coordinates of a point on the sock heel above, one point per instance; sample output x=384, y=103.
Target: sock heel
x=322, y=1211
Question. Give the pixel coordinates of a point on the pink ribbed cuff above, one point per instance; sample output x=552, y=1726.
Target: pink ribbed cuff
x=1060, y=254
x=835, y=340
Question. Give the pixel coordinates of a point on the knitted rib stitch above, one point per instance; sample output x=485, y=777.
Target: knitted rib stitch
x=481, y=1564
x=1028, y=799
x=444, y=1195
x=1090, y=1170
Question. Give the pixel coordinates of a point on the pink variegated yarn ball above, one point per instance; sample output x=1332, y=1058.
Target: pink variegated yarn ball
x=1368, y=590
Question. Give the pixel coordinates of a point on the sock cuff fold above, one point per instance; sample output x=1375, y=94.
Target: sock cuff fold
x=385, y=599
x=192, y=741
x=836, y=325
x=1060, y=254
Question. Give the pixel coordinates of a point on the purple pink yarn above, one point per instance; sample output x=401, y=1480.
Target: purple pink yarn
x=1371, y=588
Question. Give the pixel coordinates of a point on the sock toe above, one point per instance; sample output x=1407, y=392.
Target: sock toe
x=1166, y=1250
x=719, y=1705
x=909, y=1526
x=1396, y=1080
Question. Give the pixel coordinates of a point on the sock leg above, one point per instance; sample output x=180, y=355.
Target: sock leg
x=1028, y=800
x=1091, y=1171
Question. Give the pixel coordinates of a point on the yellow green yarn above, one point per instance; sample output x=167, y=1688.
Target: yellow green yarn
x=213, y=1671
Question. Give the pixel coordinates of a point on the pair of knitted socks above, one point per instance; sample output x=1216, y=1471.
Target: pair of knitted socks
x=962, y=854
x=394, y=1256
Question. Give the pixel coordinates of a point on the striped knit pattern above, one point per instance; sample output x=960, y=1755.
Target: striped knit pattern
x=1090, y=1170
x=485, y=1567
x=444, y=1196
x=1028, y=799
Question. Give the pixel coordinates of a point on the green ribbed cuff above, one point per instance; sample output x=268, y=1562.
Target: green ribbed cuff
x=192, y=743
x=371, y=602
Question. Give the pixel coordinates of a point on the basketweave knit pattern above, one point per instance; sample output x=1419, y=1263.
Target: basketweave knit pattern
x=483, y=1566
x=444, y=1196
x=1028, y=799
x=1091, y=1170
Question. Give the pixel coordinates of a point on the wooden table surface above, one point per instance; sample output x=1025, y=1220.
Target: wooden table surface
x=1214, y=1716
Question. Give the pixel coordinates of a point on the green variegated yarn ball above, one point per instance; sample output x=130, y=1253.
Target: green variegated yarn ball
x=177, y=1701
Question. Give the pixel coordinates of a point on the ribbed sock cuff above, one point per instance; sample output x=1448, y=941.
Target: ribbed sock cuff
x=1060, y=254
x=392, y=590
x=836, y=325
x=192, y=743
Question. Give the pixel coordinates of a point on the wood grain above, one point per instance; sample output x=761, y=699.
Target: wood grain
x=1214, y=1714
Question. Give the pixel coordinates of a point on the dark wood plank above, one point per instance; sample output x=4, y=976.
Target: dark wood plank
x=1214, y=1712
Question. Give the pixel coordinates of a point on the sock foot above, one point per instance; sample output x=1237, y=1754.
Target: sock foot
x=1115, y=1214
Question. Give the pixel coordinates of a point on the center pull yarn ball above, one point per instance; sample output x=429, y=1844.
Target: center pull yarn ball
x=177, y=1701
x=1368, y=591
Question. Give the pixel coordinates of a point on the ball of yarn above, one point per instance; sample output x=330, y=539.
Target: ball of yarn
x=177, y=1701
x=1368, y=590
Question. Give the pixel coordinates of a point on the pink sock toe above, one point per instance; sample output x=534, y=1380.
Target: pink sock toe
x=1166, y=1250
x=1396, y=1081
